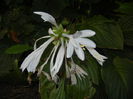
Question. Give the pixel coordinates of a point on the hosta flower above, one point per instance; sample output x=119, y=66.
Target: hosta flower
x=74, y=70
x=80, y=39
x=64, y=45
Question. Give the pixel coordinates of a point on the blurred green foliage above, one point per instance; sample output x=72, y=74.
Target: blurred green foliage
x=111, y=19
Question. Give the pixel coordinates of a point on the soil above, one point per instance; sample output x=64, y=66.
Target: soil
x=8, y=91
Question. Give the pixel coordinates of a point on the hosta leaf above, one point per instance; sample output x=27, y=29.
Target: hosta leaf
x=115, y=77
x=126, y=23
x=91, y=66
x=45, y=87
x=84, y=88
x=108, y=32
x=58, y=93
x=125, y=8
x=6, y=63
x=49, y=90
x=17, y=49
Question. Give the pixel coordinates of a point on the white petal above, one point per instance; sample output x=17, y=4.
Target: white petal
x=67, y=69
x=42, y=66
x=70, y=50
x=68, y=72
x=55, y=79
x=66, y=35
x=50, y=31
x=86, y=42
x=45, y=44
x=27, y=60
x=73, y=79
x=32, y=60
x=100, y=62
x=84, y=33
x=59, y=60
x=80, y=53
x=33, y=64
x=52, y=58
x=73, y=42
x=47, y=17
x=100, y=58
x=80, y=71
x=77, y=70
x=47, y=75
x=74, y=70
x=38, y=40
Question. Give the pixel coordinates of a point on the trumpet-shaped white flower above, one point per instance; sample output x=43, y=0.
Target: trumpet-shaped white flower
x=59, y=60
x=74, y=70
x=64, y=46
x=32, y=60
x=80, y=39
x=47, y=17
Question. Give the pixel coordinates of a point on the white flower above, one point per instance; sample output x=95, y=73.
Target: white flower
x=80, y=39
x=59, y=60
x=64, y=47
x=32, y=60
x=47, y=17
x=100, y=58
x=73, y=70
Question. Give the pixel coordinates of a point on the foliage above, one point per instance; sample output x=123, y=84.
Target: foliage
x=19, y=28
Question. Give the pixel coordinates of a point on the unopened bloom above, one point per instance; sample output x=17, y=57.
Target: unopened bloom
x=64, y=46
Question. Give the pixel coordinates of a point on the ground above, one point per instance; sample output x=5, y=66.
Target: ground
x=8, y=91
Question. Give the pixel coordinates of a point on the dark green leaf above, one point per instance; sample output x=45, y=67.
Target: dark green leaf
x=17, y=49
x=108, y=32
x=49, y=90
x=126, y=23
x=84, y=87
x=126, y=8
x=115, y=77
x=6, y=63
x=58, y=93
x=91, y=66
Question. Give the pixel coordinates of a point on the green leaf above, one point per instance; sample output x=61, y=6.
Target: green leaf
x=49, y=90
x=58, y=93
x=6, y=63
x=45, y=87
x=64, y=90
x=108, y=32
x=91, y=66
x=85, y=87
x=125, y=8
x=116, y=77
x=126, y=23
x=17, y=49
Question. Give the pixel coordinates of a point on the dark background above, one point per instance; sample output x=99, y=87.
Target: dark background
x=19, y=28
